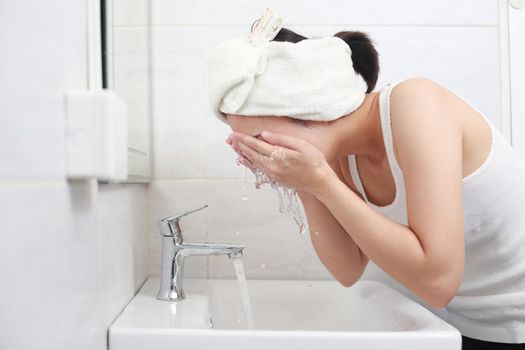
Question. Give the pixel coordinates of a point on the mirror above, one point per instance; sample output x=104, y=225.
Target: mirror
x=126, y=62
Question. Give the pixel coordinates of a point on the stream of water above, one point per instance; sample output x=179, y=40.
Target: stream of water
x=245, y=297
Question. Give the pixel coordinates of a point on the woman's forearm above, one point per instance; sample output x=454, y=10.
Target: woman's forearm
x=335, y=248
x=394, y=247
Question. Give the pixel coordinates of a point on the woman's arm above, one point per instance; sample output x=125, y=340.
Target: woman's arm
x=336, y=249
x=427, y=256
x=394, y=247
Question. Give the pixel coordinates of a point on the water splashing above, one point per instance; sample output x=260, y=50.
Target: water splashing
x=288, y=198
x=244, y=195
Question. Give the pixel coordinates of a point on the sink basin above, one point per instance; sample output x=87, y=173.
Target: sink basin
x=287, y=315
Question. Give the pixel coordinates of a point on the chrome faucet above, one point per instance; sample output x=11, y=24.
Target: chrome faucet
x=174, y=252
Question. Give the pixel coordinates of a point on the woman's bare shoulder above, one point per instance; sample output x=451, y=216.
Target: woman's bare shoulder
x=418, y=108
x=416, y=87
x=414, y=95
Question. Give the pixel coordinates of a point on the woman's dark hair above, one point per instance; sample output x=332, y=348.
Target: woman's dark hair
x=364, y=55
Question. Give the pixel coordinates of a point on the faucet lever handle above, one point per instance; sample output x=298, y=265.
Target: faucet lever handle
x=193, y=211
x=170, y=226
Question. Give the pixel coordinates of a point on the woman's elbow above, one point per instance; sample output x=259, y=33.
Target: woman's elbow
x=441, y=292
x=346, y=282
x=349, y=280
x=441, y=300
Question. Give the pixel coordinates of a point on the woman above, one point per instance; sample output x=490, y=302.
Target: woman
x=414, y=179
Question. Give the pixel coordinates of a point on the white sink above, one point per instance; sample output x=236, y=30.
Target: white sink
x=287, y=315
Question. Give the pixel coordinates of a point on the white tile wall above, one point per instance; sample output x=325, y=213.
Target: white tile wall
x=517, y=57
x=72, y=254
x=71, y=257
x=178, y=66
x=181, y=12
x=131, y=12
x=311, y=12
x=399, y=12
x=179, y=100
x=452, y=42
x=179, y=146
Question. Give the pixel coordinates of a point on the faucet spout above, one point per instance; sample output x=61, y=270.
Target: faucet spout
x=193, y=249
x=173, y=258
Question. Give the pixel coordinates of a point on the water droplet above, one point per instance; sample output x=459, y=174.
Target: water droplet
x=244, y=197
x=263, y=266
x=316, y=234
x=238, y=233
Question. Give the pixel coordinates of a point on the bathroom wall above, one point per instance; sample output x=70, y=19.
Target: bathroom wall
x=72, y=254
x=517, y=80
x=452, y=42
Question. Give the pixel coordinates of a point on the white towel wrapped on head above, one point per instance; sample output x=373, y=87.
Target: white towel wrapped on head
x=312, y=79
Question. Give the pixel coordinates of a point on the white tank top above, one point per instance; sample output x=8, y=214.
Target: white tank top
x=490, y=303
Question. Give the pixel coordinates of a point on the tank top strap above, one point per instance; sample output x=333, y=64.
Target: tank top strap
x=386, y=129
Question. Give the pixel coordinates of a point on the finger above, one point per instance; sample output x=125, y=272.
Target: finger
x=283, y=140
x=254, y=157
x=246, y=162
x=261, y=147
x=235, y=148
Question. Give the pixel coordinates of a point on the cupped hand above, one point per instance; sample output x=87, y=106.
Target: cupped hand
x=287, y=160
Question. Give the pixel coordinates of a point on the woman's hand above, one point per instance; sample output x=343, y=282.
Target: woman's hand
x=288, y=160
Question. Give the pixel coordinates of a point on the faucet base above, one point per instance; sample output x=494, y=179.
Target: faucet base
x=171, y=295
